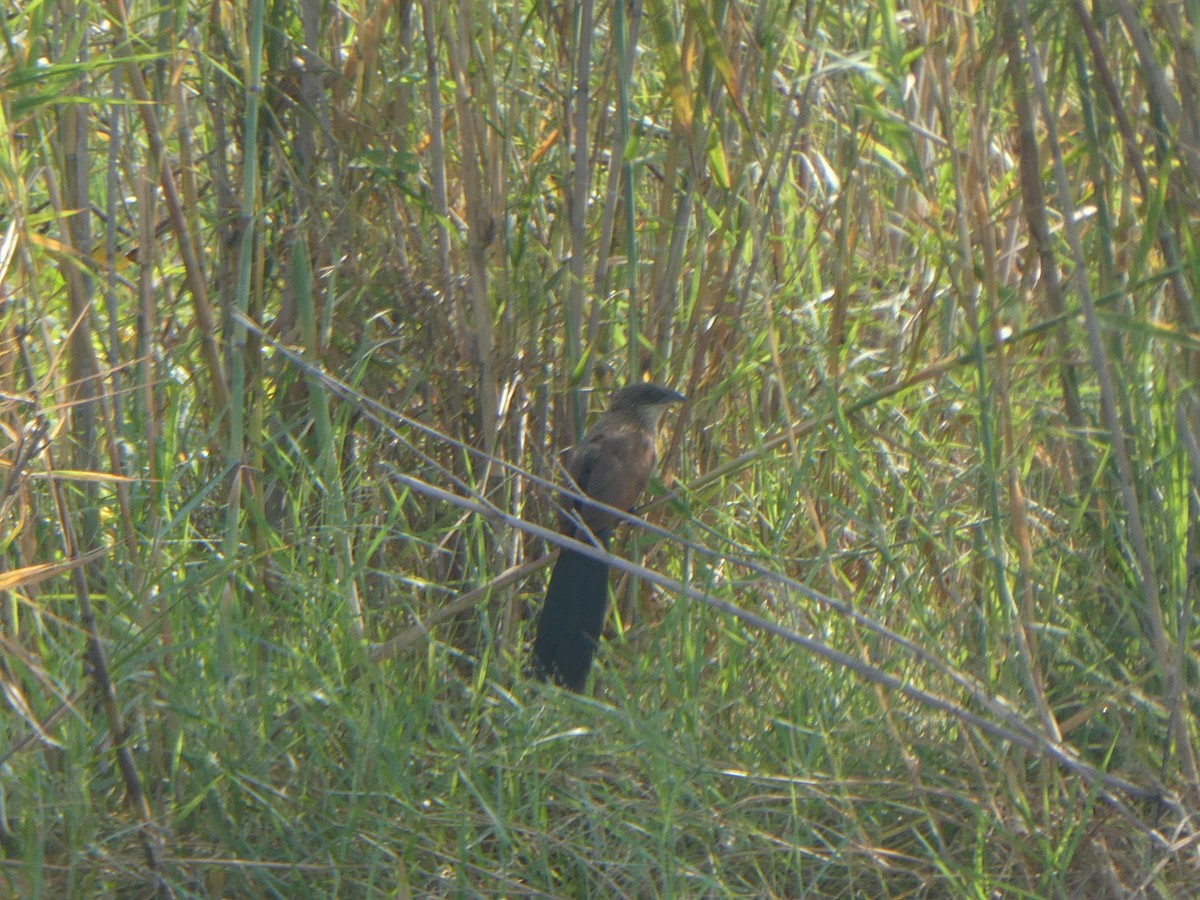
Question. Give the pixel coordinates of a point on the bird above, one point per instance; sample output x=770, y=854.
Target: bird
x=611, y=464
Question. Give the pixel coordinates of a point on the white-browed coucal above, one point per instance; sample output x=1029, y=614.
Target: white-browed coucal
x=612, y=465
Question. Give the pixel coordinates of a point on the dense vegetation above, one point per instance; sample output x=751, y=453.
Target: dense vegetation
x=299, y=302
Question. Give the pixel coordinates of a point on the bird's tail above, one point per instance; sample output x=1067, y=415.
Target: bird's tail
x=571, y=619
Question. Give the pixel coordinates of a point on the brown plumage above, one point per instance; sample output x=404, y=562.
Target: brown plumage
x=612, y=465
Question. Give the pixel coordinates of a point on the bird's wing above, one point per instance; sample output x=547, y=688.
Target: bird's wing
x=612, y=464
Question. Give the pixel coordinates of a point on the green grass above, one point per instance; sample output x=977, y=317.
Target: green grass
x=915, y=614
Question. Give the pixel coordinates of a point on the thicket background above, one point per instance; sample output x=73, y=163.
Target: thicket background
x=295, y=298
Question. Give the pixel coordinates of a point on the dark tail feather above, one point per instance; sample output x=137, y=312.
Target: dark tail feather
x=571, y=619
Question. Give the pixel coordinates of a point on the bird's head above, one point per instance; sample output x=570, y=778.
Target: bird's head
x=646, y=401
